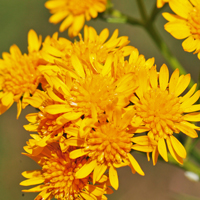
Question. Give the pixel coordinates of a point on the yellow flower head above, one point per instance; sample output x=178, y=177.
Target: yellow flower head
x=160, y=3
x=74, y=13
x=185, y=24
x=92, y=51
x=19, y=75
x=108, y=145
x=57, y=177
x=164, y=112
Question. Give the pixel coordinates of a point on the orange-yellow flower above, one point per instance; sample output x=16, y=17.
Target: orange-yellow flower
x=57, y=177
x=107, y=144
x=164, y=112
x=92, y=51
x=185, y=24
x=74, y=13
x=19, y=75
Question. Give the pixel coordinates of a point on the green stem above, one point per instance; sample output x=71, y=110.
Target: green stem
x=195, y=153
x=188, y=165
x=142, y=9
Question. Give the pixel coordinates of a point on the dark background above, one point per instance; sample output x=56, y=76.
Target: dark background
x=161, y=182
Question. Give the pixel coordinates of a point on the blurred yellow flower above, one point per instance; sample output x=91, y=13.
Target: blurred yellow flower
x=164, y=112
x=107, y=144
x=57, y=177
x=185, y=24
x=74, y=13
x=160, y=3
x=19, y=75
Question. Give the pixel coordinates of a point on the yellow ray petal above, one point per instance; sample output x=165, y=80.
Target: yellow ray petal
x=34, y=42
x=58, y=16
x=178, y=29
x=70, y=116
x=193, y=117
x=173, y=81
x=86, y=169
x=98, y=172
x=173, y=153
x=32, y=173
x=135, y=164
x=78, y=66
x=192, y=108
x=155, y=154
x=143, y=148
x=189, y=93
x=94, y=190
x=57, y=108
x=163, y=77
x=77, y=153
x=38, y=188
x=87, y=196
x=104, y=35
x=33, y=181
x=113, y=177
x=189, y=44
x=153, y=78
x=178, y=147
x=162, y=149
x=182, y=85
x=66, y=23
x=187, y=130
x=181, y=7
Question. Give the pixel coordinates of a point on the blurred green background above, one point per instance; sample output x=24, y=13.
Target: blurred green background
x=161, y=182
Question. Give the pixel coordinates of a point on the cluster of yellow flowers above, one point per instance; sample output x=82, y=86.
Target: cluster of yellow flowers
x=94, y=105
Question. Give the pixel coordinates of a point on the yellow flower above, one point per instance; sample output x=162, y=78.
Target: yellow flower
x=57, y=177
x=164, y=112
x=185, y=24
x=160, y=3
x=92, y=51
x=19, y=75
x=74, y=13
x=107, y=144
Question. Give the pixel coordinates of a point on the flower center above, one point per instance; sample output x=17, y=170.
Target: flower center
x=95, y=92
x=160, y=111
x=108, y=144
x=59, y=173
x=20, y=76
x=194, y=21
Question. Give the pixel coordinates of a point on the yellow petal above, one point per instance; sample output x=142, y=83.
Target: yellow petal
x=189, y=93
x=87, y=196
x=177, y=29
x=66, y=23
x=103, y=36
x=153, y=78
x=181, y=7
x=98, y=172
x=178, y=147
x=173, y=153
x=163, y=77
x=58, y=16
x=77, y=153
x=57, y=108
x=171, y=17
x=189, y=44
x=162, y=149
x=173, y=81
x=190, y=101
x=38, y=188
x=182, y=85
x=187, y=130
x=19, y=108
x=143, y=148
x=135, y=164
x=33, y=181
x=32, y=173
x=70, y=116
x=94, y=190
x=107, y=66
x=113, y=177
x=155, y=155
x=192, y=108
x=34, y=42
x=194, y=117
x=78, y=66
x=86, y=169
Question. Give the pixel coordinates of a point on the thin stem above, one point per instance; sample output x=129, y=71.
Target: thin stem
x=195, y=153
x=155, y=12
x=142, y=9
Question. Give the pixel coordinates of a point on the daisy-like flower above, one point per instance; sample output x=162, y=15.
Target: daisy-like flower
x=19, y=75
x=185, y=24
x=163, y=111
x=93, y=50
x=74, y=13
x=87, y=94
x=57, y=177
x=107, y=144
x=160, y=3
